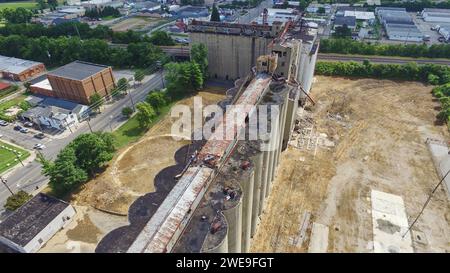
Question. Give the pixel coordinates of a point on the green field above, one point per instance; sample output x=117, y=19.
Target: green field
x=7, y=157
x=14, y=5
x=130, y=130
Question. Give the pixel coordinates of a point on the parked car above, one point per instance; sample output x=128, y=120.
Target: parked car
x=17, y=127
x=24, y=130
x=3, y=123
x=39, y=146
x=39, y=136
x=28, y=124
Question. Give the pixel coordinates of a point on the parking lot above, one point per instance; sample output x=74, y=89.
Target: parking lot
x=425, y=28
x=26, y=140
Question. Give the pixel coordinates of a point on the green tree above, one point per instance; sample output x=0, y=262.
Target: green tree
x=127, y=111
x=27, y=86
x=96, y=101
x=321, y=10
x=156, y=99
x=145, y=114
x=161, y=38
x=199, y=54
x=139, y=75
x=64, y=174
x=215, y=16
x=433, y=79
x=196, y=76
x=17, y=16
x=16, y=200
x=93, y=150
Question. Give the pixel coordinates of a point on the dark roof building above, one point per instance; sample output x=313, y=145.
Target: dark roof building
x=77, y=70
x=78, y=81
x=349, y=21
x=33, y=224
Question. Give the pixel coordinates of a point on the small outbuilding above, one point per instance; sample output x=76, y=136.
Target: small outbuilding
x=32, y=225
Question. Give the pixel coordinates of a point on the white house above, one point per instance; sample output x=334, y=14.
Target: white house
x=55, y=113
x=33, y=224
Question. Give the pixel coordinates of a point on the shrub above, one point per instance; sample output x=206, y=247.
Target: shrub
x=16, y=200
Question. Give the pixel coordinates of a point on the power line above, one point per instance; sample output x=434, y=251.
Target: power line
x=426, y=203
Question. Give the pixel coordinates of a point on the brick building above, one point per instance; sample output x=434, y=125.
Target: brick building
x=19, y=70
x=77, y=82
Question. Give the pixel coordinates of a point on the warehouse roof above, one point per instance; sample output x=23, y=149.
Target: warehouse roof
x=437, y=10
x=30, y=219
x=78, y=70
x=15, y=65
x=350, y=21
x=360, y=15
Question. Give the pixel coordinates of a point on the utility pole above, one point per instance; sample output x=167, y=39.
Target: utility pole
x=89, y=124
x=18, y=157
x=111, y=119
x=426, y=203
x=6, y=185
x=131, y=100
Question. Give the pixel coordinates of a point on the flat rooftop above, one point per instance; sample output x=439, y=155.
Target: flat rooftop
x=30, y=219
x=15, y=65
x=78, y=70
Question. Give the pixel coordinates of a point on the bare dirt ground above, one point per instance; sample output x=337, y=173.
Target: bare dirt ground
x=373, y=136
x=129, y=175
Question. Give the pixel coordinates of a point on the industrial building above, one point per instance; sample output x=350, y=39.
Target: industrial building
x=234, y=48
x=33, y=224
x=77, y=82
x=398, y=24
x=272, y=15
x=212, y=200
x=436, y=15
x=19, y=70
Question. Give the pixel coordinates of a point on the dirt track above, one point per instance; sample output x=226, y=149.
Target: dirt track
x=376, y=131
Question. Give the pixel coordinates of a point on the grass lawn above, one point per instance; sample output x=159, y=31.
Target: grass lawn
x=130, y=130
x=8, y=91
x=14, y=5
x=7, y=158
x=7, y=104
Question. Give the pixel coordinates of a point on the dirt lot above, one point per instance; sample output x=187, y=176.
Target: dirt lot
x=372, y=135
x=129, y=175
x=135, y=23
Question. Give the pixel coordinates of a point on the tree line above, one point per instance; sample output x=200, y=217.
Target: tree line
x=84, y=31
x=95, y=13
x=348, y=46
x=62, y=50
x=429, y=73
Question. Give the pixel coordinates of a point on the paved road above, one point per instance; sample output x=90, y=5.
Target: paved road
x=28, y=177
x=386, y=60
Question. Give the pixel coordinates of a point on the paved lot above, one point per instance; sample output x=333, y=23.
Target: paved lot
x=425, y=28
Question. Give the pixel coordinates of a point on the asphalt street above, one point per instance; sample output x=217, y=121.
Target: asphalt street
x=29, y=177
